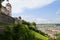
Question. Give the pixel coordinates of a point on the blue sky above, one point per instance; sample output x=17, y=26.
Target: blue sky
x=39, y=11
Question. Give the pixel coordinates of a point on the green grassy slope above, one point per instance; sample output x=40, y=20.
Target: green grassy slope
x=39, y=36
x=32, y=35
x=21, y=32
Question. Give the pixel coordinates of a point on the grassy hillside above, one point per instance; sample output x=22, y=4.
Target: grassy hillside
x=39, y=36
x=21, y=32
x=28, y=34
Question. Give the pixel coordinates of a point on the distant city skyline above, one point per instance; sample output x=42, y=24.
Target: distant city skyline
x=39, y=11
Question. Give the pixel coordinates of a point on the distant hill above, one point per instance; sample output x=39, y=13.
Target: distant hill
x=48, y=25
x=57, y=24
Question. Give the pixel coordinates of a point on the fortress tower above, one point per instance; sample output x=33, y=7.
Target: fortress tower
x=8, y=7
x=5, y=13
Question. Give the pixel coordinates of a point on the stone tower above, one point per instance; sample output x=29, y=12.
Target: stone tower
x=8, y=7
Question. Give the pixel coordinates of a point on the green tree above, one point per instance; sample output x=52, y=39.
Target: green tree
x=1, y=4
x=34, y=24
x=26, y=23
x=7, y=33
x=16, y=33
x=58, y=37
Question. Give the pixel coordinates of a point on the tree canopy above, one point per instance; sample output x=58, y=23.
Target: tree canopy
x=1, y=2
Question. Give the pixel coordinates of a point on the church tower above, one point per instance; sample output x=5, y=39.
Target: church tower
x=8, y=7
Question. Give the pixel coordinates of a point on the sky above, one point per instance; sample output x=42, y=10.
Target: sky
x=39, y=11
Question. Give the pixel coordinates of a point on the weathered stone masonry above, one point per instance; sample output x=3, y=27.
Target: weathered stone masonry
x=6, y=19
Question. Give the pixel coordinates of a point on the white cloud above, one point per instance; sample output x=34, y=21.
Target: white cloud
x=34, y=19
x=57, y=20
x=40, y=20
x=18, y=6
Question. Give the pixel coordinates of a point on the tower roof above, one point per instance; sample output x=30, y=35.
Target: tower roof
x=8, y=4
x=7, y=0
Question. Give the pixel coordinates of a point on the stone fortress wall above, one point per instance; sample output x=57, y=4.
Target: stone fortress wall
x=6, y=19
x=5, y=14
